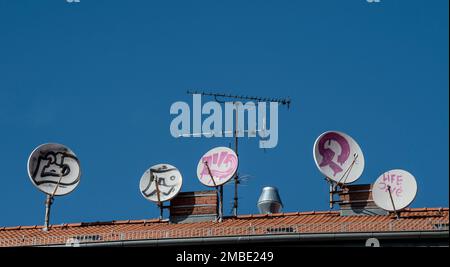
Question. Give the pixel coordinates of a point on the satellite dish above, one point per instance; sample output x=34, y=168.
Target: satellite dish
x=221, y=163
x=338, y=157
x=161, y=183
x=54, y=169
x=394, y=190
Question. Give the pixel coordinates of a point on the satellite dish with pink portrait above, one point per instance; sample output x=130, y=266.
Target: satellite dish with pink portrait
x=338, y=157
x=221, y=163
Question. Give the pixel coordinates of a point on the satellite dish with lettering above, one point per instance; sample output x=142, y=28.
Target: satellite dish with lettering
x=54, y=169
x=338, y=157
x=402, y=186
x=221, y=163
x=164, y=179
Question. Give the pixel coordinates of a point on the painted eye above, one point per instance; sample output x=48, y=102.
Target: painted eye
x=172, y=177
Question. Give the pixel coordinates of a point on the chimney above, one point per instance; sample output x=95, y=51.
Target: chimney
x=357, y=200
x=199, y=206
x=269, y=202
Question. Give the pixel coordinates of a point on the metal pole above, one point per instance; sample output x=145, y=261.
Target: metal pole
x=331, y=193
x=219, y=191
x=392, y=201
x=349, y=169
x=221, y=202
x=48, y=204
x=159, y=197
x=236, y=176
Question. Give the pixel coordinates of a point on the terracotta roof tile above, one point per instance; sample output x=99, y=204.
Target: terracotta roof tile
x=421, y=219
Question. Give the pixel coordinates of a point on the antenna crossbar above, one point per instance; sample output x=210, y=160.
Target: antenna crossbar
x=282, y=101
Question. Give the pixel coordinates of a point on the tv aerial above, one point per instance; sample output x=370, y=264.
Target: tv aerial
x=55, y=170
x=243, y=180
x=161, y=183
x=219, y=97
x=394, y=190
x=215, y=168
x=339, y=158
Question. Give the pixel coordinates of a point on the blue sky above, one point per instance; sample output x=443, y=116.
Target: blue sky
x=100, y=76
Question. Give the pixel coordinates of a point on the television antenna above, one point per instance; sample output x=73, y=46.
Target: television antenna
x=161, y=183
x=243, y=180
x=234, y=99
x=339, y=158
x=55, y=170
x=394, y=190
x=282, y=101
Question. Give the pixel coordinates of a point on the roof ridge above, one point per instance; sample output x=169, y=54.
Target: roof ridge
x=83, y=224
x=284, y=214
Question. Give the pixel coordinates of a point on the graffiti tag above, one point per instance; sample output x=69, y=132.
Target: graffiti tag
x=54, y=165
x=395, y=181
x=222, y=165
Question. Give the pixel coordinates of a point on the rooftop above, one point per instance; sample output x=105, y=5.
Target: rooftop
x=411, y=220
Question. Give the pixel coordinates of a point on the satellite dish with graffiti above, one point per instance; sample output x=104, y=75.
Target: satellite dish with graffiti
x=162, y=178
x=54, y=169
x=221, y=163
x=394, y=190
x=338, y=157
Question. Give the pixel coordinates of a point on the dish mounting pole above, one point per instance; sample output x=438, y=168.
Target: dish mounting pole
x=392, y=201
x=48, y=204
x=161, y=208
x=219, y=191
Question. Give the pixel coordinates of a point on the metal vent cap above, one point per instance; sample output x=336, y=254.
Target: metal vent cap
x=269, y=201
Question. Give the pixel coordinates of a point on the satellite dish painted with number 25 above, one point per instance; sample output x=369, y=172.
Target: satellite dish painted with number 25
x=54, y=166
x=403, y=187
x=221, y=163
x=338, y=157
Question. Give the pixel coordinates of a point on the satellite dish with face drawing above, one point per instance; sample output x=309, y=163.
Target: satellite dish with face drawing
x=54, y=169
x=402, y=186
x=221, y=163
x=164, y=178
x=338, y=157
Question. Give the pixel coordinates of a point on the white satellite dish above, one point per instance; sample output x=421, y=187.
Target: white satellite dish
x=54, y=169
x=338, y=157
x=161, y=183
x=394, y=190
x=221, y=163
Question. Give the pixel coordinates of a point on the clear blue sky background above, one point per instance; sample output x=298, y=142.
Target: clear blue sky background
x=100, y=76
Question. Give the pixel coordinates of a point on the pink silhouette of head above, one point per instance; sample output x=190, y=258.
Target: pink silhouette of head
x=328, y=154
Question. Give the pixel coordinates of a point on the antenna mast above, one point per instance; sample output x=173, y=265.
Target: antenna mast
x=234, y=99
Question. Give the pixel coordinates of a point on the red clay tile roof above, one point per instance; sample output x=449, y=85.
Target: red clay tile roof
x=423, y=219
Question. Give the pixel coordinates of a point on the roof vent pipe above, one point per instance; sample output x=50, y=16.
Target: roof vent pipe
x=269, y=201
